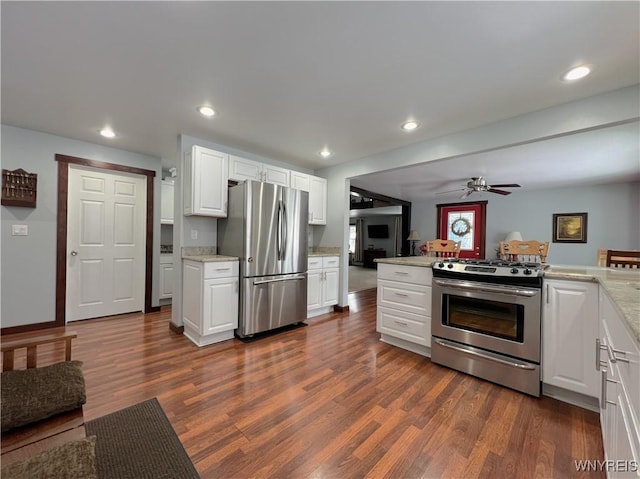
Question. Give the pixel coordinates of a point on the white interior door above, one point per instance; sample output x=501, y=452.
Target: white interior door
x=106, y=223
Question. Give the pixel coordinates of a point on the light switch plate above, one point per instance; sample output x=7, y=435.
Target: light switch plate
x=19, y=230
x=194, y=234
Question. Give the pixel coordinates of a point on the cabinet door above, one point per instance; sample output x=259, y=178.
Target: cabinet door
x=166, y=280
x=569, y=331
x=206, y=191
x=275, y=175
x=330, y=286
x=300, y=181
x=317, y=201
x=220, y=305
x=314, y=289
x=241, y=169
x=166, y=202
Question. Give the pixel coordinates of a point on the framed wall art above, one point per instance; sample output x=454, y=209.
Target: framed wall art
x=570, y=228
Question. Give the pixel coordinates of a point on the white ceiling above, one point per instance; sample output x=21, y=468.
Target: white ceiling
x=607, y=155
x=289, y=78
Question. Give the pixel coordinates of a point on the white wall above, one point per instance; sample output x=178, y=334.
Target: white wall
x=613, y=221
x=28, y=266
x=598, y=111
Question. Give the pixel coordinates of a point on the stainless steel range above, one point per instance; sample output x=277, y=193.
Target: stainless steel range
x=486, y=320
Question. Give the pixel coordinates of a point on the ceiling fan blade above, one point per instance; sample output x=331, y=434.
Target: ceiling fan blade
x=449, y=191
x=466, y=193
x=500, y=192
x=510, y=185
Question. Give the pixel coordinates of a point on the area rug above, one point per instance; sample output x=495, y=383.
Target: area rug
x=139, y=442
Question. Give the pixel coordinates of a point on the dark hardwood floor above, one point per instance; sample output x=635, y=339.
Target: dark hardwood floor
x=328, y=400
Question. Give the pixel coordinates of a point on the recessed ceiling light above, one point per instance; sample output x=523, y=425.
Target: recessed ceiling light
x=326, y=153
x=410, y=125
x=206, y=110
x=577, y=73
x=107, y=132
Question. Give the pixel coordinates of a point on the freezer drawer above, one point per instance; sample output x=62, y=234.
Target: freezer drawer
x=271, y=302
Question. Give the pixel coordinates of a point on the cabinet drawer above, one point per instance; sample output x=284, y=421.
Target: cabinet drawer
x=221, y=269
x=407, y=326
x=627, y=355
x=314, y=262
x=330, y=262
x=407, y=274
x=413, y=298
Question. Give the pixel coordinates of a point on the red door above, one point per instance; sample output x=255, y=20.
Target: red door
x=464, y=222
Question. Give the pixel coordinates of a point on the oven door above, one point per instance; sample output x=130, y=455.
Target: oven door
x=500, y=318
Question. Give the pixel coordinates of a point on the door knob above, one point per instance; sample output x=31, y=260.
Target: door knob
x=74, y=253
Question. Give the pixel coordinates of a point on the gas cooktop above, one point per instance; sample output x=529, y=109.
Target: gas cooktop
x=488, y=267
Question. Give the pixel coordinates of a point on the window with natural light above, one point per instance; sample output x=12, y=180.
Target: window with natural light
x=352, y=238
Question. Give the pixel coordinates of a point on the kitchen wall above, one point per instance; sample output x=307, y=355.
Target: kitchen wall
x=598, y=111
x=28, y=266
x=613, y=219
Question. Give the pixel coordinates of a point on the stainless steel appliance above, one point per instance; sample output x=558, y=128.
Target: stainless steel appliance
x=266, y=227
x=486, y=320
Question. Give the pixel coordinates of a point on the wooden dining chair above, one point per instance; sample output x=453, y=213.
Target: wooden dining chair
x=623, y=259
x=442, y=248
x=530, y=251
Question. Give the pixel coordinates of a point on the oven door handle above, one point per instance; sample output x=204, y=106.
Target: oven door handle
x=486, y=288
x=474, y=352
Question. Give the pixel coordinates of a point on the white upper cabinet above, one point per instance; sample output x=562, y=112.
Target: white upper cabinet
x=317, y=200
x=241, y=169
x=205, y=182
x=317, y=188
x=166, y=202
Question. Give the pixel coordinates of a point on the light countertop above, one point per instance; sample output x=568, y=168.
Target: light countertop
x=423, y=261
x=210, y=258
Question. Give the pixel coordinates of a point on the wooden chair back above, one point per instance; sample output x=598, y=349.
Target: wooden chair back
x=528, y=251
x=443, y=248
x=623, y=259
x=602, y=258
x=30, y=341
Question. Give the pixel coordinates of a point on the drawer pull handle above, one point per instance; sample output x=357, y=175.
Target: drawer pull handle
x=401, y=272
x=402, y=294
x=618, y=358
x=401, y=323
x=223, y=269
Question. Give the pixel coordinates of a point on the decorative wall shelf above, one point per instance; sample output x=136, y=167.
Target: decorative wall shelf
x=19, y=188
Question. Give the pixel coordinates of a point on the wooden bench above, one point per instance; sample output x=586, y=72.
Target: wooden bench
x=31, y=439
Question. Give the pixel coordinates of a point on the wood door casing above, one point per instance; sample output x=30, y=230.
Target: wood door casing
x=472, y=215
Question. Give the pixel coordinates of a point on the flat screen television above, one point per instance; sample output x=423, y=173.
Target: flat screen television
x=378, y=231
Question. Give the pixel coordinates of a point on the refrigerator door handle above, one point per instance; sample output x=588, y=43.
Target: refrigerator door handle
x=277, y=280
x=285, y=228
x=279, y=233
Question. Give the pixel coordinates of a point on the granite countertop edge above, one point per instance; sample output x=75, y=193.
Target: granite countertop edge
x=420, y=261
x=210, y=258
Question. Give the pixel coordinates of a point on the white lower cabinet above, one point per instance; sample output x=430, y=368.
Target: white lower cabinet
x=404, y=306
x=569, y=329
x=166, y=276
x=210, y=300
x=618, y=359
x=322, y=284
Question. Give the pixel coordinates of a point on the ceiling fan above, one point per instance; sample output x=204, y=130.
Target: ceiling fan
x=479, y=184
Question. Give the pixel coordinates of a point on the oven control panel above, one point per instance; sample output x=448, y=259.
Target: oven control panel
x=489, y=267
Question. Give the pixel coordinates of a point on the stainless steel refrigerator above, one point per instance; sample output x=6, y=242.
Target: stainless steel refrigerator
x=266, y=227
